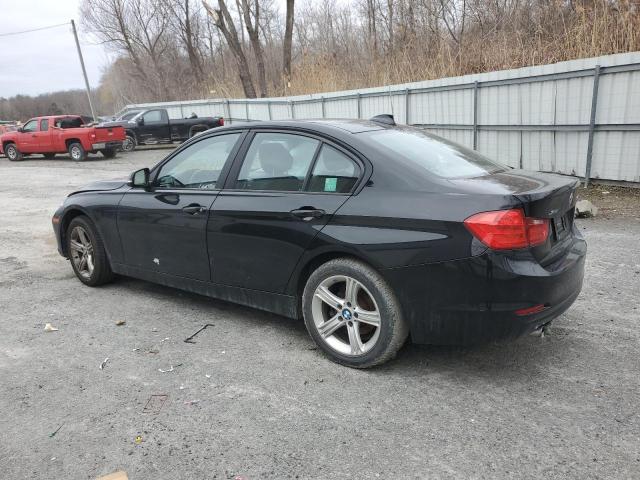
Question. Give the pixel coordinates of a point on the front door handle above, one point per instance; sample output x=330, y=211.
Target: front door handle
x=307, y=213
x=194, y=209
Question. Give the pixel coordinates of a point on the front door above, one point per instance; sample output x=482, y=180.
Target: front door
x=27, y=137
x=154, y=127
x=287, y=188
x=42, y=138
x=163, y=229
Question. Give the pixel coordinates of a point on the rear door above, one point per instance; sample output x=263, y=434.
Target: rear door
x=163, y=229
x=282, y=190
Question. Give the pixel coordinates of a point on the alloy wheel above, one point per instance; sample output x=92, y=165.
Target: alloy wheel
x=127, y=144
x=81, y=251
x=12, y=153
x=76, y=154
x=346, y=315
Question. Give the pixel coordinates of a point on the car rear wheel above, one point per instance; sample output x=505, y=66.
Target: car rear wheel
x=129, y=144
x=352, y=314
x=108, y=152
x=77, y=152
x=12, y=152
x=86, y=253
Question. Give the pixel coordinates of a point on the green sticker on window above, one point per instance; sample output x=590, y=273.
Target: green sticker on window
x=330, y=184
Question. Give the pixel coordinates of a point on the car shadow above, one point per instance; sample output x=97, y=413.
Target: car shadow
x=61, y=157
x=507, y=361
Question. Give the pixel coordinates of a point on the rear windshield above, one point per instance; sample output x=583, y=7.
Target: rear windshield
x=69, y=122
x=432, y=153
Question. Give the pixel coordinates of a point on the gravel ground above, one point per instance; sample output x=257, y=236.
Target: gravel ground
x=254, y=398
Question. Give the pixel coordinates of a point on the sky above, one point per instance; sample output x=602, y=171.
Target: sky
x=45, y=61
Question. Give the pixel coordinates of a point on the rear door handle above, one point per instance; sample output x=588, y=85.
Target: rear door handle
x=307, y=213
x=194, y=209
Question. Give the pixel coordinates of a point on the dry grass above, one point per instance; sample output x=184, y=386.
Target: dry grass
x=587, y=29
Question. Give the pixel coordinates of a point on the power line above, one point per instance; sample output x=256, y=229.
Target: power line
x=34, y=29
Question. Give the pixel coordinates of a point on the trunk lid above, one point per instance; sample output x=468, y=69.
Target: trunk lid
x=541, y=195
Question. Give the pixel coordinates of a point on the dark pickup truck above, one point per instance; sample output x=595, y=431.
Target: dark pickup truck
x=154, y=126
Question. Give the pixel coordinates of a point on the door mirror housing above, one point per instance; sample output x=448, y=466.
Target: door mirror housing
x=139, y=178
x=140, y=120
x=20, y=130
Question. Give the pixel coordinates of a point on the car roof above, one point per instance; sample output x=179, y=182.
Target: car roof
x=342, y=125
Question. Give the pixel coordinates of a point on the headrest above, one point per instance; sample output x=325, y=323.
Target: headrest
x=274, y=158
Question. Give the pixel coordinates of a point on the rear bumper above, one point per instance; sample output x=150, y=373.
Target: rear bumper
x=474, y=300
x=106, y=145
x=56, y=221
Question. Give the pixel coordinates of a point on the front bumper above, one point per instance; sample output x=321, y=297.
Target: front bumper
x=106, y=145
x=474, y=300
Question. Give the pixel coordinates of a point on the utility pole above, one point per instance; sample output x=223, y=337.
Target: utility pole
x=84, y=70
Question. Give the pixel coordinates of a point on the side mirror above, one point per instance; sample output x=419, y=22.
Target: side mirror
x=20, y=130
x=139, y=178
x=140, y=121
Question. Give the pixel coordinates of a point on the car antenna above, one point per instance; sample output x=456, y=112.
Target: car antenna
x=384, y=119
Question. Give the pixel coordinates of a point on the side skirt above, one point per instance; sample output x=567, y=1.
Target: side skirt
x=271, y=302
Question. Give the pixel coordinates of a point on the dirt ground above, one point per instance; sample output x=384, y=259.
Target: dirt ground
x=252, y=397
x=613, y=201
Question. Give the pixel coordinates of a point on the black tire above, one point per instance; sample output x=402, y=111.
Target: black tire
x=129, y=144
x=102, y=272
x=393, y=330
x=77, y=152
x=49, y=156
x=108, y=152
x=12, y=152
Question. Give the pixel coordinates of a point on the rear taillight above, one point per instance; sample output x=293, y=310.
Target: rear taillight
x=508, y=229
x=221, y=122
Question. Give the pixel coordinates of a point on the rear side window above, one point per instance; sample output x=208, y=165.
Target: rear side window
x=44, y=125
x=333, y=172
x=431, y=153
x=277, y=161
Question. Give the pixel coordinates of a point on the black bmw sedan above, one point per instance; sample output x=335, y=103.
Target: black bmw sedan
x=370, y=231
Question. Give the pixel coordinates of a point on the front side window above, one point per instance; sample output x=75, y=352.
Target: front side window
x=44, y=125
x=277, y=161
x=30, y=126
x=199, y=165
x=333, y=172
x=153, y=116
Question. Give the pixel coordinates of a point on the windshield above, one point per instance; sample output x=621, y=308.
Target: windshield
x=129, y=116
x=432, y=153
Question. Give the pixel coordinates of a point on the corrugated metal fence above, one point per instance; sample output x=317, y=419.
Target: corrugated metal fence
x=580, y=117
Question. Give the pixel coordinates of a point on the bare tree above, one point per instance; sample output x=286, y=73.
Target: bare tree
x=251, y=13
x=286, y=45
x=185, y=24
x=223, y=20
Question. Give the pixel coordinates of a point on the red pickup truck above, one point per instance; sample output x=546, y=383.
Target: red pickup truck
x=61, y=134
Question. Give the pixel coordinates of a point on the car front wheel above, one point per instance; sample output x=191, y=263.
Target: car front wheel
x=129, y=144
x=12, y=152
x=352, y=314
x=86, y=252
